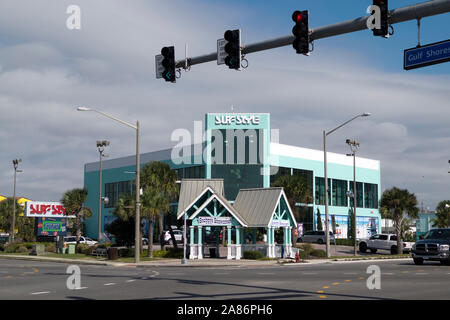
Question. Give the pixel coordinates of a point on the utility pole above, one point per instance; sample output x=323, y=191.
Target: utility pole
x=13, y=225
x=354, y=145
x=101, y=147
x=412, y=12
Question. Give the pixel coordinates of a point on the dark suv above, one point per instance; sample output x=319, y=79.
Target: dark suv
x=434, y=246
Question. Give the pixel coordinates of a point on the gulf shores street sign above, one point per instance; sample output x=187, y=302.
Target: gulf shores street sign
x=46, y=209
x=427, y=55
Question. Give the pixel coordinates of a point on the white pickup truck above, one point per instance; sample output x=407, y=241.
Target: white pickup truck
x=383, y=241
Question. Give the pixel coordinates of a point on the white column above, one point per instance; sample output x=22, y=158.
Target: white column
x=192, y=246
x=238, y=243
x=229, y=243
x=200, y=247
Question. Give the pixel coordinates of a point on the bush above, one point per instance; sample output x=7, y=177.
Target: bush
x=2, y=247
x=82, y=248
x=170, y=253
x=253, y=254
x=305, y=250
x=11, y=247
x=22, y=249
x=126, y=252
x=318, y=253
x=50, y=247
x=344, y=242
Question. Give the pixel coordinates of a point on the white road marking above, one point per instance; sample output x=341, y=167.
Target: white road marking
x=42, y=292
x=265, y=273
x=155, y=273
x=132, y=280
x=109, y=284
x=309, y=272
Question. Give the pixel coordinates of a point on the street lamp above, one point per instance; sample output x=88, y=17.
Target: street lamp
x=325, y=134
x=354, y=145
x=101, y=148
x=13, y=226
x=184, y=260
x=138, y=163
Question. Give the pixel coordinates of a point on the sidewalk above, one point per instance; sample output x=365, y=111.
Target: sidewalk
x=211, y=263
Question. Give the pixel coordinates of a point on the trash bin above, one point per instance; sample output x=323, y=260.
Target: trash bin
x=212, y=252
x=113, y=253
x=71, y=249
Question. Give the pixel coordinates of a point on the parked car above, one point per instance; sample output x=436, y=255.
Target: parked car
x=434, y=247
x=315, y=236
x=144, y=241
x=177, y=233
x=382, y=241
x=83, y=240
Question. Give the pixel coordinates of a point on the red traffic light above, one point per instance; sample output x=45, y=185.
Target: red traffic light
x=297, y=16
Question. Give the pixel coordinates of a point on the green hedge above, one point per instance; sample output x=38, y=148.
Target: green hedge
x=253, y=254
x=344, y=242
x=318, y=253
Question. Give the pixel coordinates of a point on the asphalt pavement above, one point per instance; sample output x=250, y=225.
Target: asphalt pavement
x=399, y=279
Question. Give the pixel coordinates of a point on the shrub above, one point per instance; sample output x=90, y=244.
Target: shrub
x=22, y=249
x=253, y=254
x=344, y=242
x=82, y=248
x=318, y=253
x=305, y=250
x=11, y=247
x=2, y=247
x=50, y=247
x=126, y=252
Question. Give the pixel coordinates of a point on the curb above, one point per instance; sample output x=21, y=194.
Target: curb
x=61, y=260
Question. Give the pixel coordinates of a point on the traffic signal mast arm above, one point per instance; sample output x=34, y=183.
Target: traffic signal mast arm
x=413, y=12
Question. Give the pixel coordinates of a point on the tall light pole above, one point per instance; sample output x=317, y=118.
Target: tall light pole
x=101, y=148
x=138, y=171
x=184, y=260
x=354, y=145
x=325, y=134
x=13, y=226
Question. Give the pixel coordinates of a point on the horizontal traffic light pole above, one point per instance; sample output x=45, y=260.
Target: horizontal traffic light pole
x=413, y=12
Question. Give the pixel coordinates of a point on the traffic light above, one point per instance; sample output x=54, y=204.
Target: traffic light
x=384, y=10
x=301, y=32
x=233, y=49
x=168, y=63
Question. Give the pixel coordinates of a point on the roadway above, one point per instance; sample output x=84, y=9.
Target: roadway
x=400, y=279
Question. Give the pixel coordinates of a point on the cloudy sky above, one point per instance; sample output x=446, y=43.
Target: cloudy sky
x=46, y=70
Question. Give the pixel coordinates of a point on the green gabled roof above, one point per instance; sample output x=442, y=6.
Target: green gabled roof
x=257, y=206
x=192, y=189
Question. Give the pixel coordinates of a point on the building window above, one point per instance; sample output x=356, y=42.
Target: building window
x=339, y=193
x=238, y=177
x=320, y=190
x=282, y=171
x=371, y=195
x=307, y=176
x=359, y=194
x=115, y=190
x=197, y=172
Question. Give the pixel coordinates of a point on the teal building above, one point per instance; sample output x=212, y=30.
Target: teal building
x=243, y=150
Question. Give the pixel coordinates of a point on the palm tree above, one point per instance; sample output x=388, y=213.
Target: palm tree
x=73, y=201
x=442, y=219
x=395, y=204
x=161, y=180
x=296, y=190
x=151, y=201
x=6, y=214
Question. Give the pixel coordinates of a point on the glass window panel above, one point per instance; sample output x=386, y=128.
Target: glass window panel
x=320, y=190
x=339, y=189
x=359, y=194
